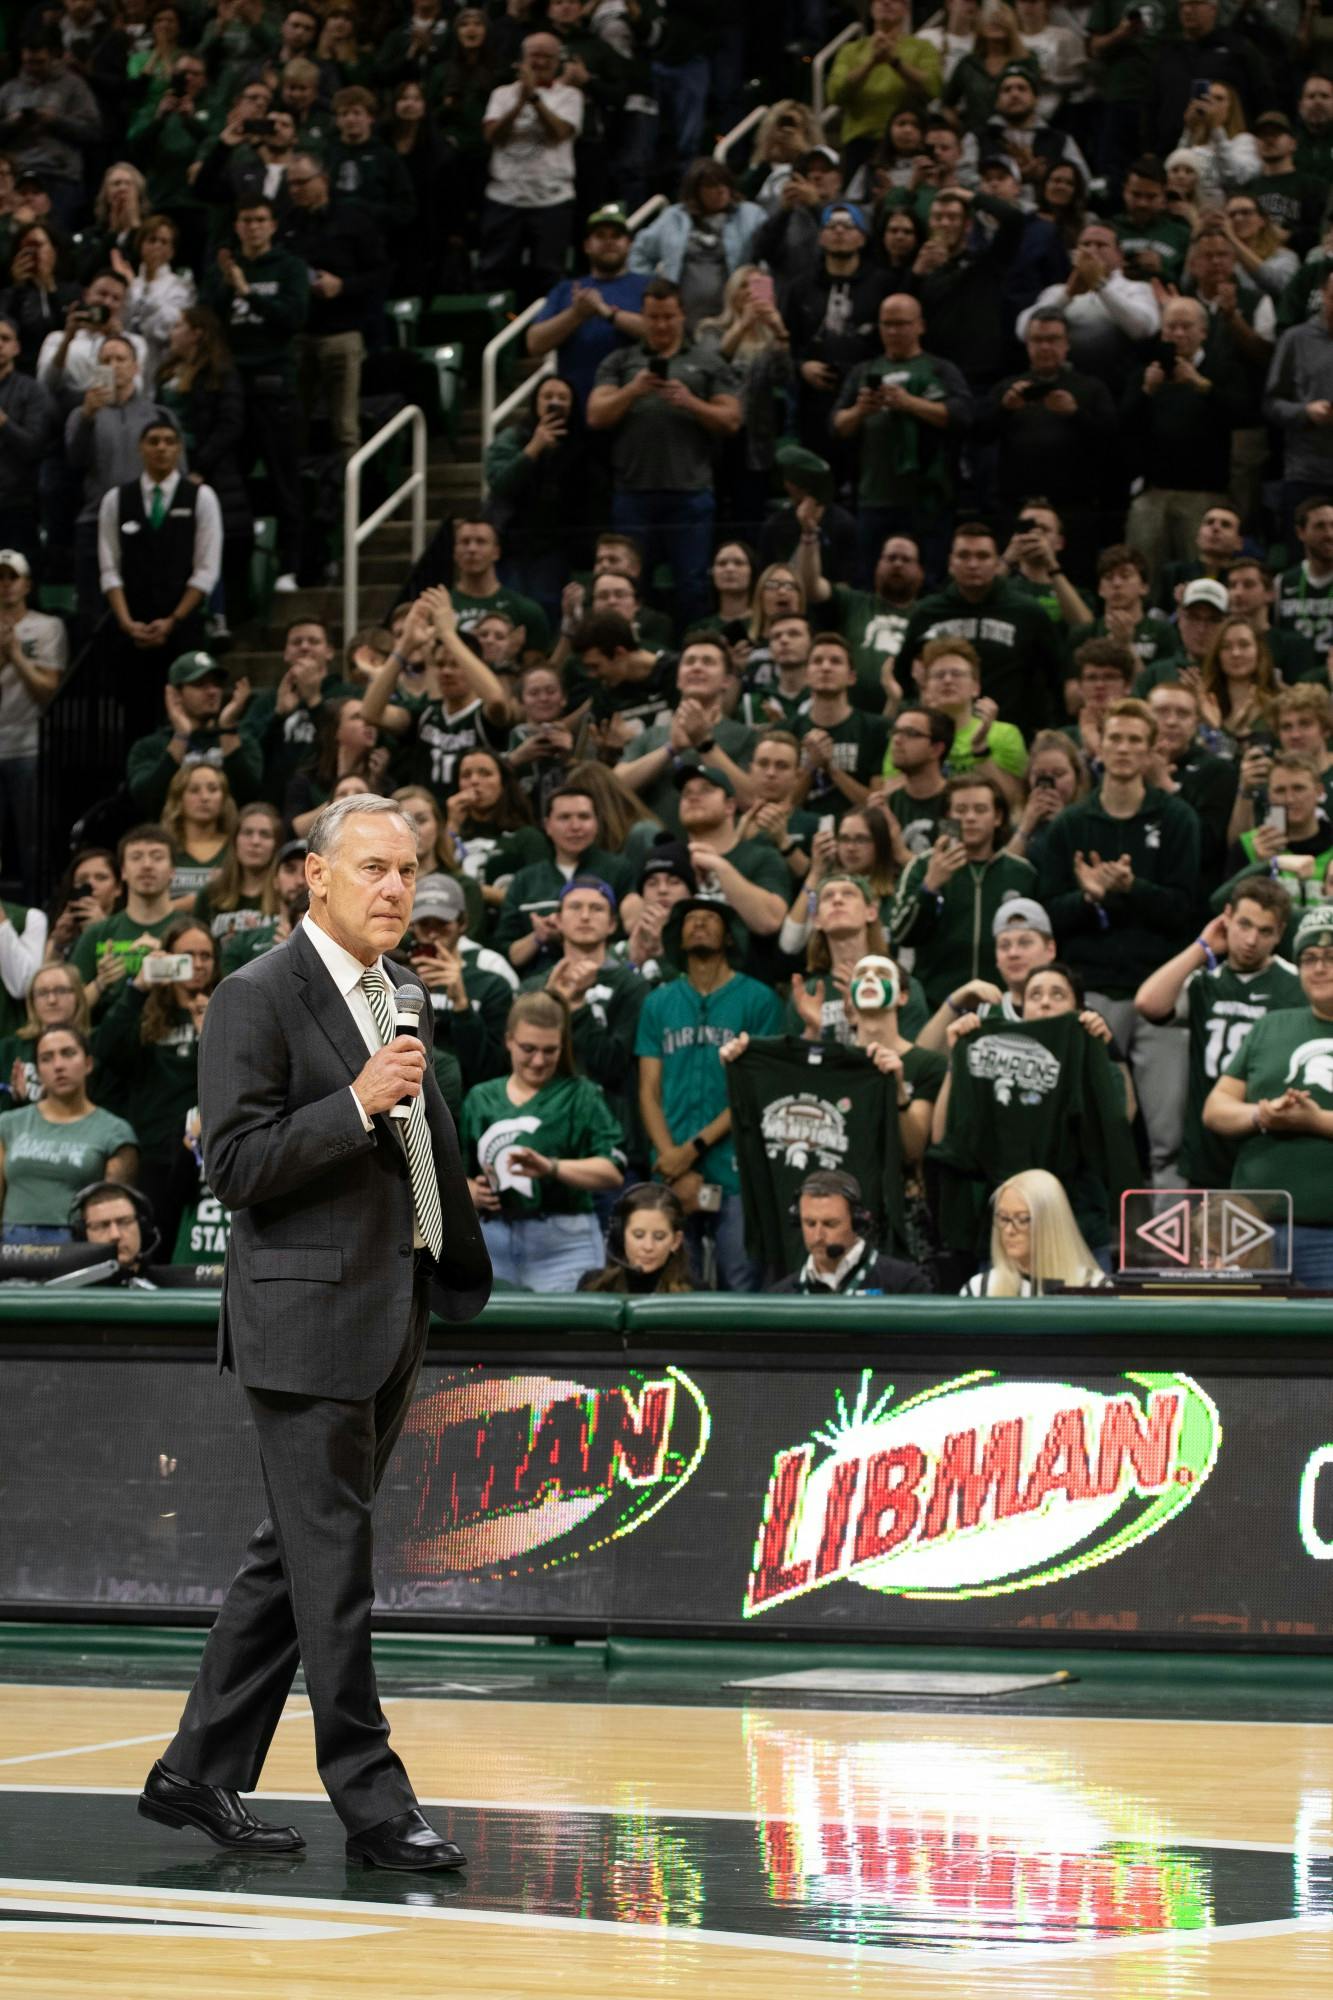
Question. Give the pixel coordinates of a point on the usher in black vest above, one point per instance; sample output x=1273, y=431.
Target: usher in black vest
x=156, y=563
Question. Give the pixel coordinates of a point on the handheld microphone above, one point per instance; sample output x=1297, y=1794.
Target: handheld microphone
x=408, y=1002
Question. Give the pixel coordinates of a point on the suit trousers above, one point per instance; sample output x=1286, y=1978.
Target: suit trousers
x=305, y=1591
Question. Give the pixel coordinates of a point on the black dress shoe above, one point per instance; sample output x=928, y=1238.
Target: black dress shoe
x=214, y=1810
x=408, y=1842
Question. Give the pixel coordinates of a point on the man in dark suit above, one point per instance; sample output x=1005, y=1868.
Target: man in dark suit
x=346, y=1225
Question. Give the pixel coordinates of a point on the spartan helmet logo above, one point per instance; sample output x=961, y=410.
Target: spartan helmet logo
x=874, y=984
x=1311, y=1066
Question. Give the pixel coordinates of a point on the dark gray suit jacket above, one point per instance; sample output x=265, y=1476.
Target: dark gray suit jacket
x=317, y=1294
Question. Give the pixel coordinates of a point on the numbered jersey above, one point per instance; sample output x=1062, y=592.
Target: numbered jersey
x=1221, y=1008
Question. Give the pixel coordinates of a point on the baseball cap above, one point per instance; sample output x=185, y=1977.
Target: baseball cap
x=685, y=772
x=1003, y=160
x=1277, y=118
x=669, y=857
x=1315, y=927
x=845, y=211
x=12, y=559
x=589, y=882
x=439, y=896
x=807, y=471
x=609, y=216
x=293, y=850
x=1021, y=913
x=1023, y=69
x=187, y=668
x=816, y=154
x=1206, y=590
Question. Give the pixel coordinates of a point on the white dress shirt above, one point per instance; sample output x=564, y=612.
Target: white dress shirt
x=347, y=973
x=207, y=534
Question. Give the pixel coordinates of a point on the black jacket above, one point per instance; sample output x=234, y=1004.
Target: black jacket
x=214, y=422
x=1044, y=453
x=343, y=239
x=880, y=1274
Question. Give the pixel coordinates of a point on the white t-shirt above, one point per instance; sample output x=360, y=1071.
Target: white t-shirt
x=42, y=638
x=527, y=170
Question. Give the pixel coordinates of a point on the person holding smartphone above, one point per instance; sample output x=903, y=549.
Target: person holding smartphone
x=147, y=1045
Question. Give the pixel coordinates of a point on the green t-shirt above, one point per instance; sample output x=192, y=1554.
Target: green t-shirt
x=1306, y=607
x=567, y=1120
x=918, y=819
x=1290, y=1049
x=1166, y=235
x=115, y=933
x=1222, y=1008
x=860, y=745
x=1004, y=747
x=46, y=1164
x=1153, y=640
x=524, y=611
x=684, y=1029
x=191, y=877
x=240, y=946
x=225, y=924
x=873, y=629
x=903, y=462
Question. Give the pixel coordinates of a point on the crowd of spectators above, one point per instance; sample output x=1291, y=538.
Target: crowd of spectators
x=868, y=744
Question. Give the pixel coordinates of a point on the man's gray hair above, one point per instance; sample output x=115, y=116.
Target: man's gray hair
x=327, y=829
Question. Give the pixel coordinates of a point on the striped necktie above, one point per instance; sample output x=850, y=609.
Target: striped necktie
x=416, y=1133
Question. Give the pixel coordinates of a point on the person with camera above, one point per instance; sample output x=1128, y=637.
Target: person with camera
x=261, y=294
x=1052, y=425
x=838, y=1232
x=250, y=158
x=50, y=1149
x=48, y=116
x=909, y=412
x=69, y=362
x=947, y=899
x=110, y=947
x=147, y=1043
x=1179, y=413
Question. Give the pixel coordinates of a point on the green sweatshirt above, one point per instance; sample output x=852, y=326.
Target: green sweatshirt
x=1022, y=656
x=797, y=1106
x=1117, y=942
x=1033, y=1094
x=261, y=323
x=537, y=889
x=150, y=767
x=155, y=1082
x=950, y=929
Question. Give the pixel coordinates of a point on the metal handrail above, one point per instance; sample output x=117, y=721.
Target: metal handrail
x=733, y=138
x=493, y=414
x=356, y=531
x=821, y=61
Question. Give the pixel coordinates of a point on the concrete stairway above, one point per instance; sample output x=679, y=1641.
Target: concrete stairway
x=453, y=482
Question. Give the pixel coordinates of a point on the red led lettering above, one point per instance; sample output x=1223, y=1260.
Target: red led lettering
x=891, y=1481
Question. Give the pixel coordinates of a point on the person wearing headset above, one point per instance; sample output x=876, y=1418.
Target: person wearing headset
x=121, y=1217
x=645, y=1245
x=837, y=1229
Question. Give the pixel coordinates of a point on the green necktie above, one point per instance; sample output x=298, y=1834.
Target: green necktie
x=157, y=508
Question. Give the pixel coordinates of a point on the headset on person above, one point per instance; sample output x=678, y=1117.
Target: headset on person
x=662, y=1198
x=828, y=1183
x=105, y=1191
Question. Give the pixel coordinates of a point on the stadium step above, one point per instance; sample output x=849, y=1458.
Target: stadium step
x=453, y=483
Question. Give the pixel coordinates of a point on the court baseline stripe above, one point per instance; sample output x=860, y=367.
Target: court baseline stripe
x=864, y=1955
x=645, y=1812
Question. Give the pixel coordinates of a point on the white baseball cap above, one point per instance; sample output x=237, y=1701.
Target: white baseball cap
x=12, y=559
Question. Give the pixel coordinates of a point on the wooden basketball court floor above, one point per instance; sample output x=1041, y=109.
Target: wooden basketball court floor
x=729, y=1848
